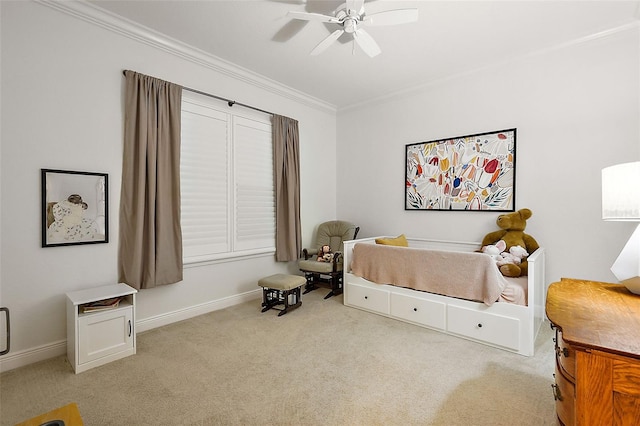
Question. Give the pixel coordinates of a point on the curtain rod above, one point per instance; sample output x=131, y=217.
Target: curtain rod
x=228, y=101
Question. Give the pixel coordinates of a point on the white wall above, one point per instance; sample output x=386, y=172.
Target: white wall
x=62, y=108
x=576, y=110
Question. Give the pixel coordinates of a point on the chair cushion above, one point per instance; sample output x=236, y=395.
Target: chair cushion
x=400, y=241
x=333, y=233
x=312, y=265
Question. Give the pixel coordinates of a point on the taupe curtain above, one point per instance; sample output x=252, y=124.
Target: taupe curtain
x=286, y=169
x=150, y=250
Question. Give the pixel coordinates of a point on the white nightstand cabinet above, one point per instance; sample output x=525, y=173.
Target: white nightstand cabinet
x=98, y=337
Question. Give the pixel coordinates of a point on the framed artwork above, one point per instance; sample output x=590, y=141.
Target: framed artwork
x=474, y=172
x=75, y=208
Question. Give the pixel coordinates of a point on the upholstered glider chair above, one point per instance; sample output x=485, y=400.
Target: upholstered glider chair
x=327, y=274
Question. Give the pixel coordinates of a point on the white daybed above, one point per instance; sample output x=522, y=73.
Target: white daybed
x=503, y=325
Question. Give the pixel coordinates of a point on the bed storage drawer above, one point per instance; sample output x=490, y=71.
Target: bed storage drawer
x=497, y=330
x=372, y=299
x=426, y=312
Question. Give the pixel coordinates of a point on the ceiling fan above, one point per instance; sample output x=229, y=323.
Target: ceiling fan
x=351, y=17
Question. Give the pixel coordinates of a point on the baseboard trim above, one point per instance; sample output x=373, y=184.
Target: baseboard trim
x=193, y=311
x=29, y=356
x=18, y=359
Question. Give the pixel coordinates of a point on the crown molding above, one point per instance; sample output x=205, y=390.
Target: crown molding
x=132, y=30
x=410, y=91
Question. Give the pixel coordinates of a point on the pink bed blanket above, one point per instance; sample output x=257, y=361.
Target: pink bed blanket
x=465, y=275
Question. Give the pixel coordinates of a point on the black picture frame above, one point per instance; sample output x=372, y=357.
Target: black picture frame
x=463, y=173
x=75, y=207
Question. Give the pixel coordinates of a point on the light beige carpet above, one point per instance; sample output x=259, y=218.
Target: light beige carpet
x=322, y=364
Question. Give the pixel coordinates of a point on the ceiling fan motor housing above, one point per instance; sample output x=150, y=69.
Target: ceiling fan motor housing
x=351, y=16
x=349, y=19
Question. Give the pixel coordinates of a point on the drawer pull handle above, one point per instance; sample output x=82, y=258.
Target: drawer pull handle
x=415, y=309
x=8, y=332
x=366, y=297
x=556, y=392
x=130, y=329
x=479, y=325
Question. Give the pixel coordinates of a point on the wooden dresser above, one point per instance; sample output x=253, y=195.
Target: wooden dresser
x=597, y=352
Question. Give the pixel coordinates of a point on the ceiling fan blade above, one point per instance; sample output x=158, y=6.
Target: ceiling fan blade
x=322, y=46
x=392, y=17
x=305, y=16
x=366, y=42
x=355, y=5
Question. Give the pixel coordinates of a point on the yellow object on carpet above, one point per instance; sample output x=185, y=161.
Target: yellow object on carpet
x=69, y=414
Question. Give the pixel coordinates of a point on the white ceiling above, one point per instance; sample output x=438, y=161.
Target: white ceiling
x=450, y=37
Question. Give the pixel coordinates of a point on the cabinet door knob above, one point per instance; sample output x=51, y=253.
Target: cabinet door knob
x=479, y=325
x=366, y=297
x=415, y=309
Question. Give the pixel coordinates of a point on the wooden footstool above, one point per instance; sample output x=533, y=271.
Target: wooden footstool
x=278, y=289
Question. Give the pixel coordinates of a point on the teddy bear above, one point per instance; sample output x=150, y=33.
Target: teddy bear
x=514, y=255
x=512, y=227
x=324, y=254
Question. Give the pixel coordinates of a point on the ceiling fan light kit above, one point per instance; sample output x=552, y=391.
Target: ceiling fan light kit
x=352, y=17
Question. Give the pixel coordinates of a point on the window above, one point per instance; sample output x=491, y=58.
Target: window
x=228, y=200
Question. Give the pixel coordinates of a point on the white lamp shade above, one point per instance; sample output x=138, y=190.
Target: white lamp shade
x=626, y=268
x=621, y=201
x=621, y=192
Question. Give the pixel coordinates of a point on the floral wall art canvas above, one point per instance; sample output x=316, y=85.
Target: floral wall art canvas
x=474, y=172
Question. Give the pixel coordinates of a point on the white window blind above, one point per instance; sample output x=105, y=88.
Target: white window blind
x=228, y=201
x=254, y=190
